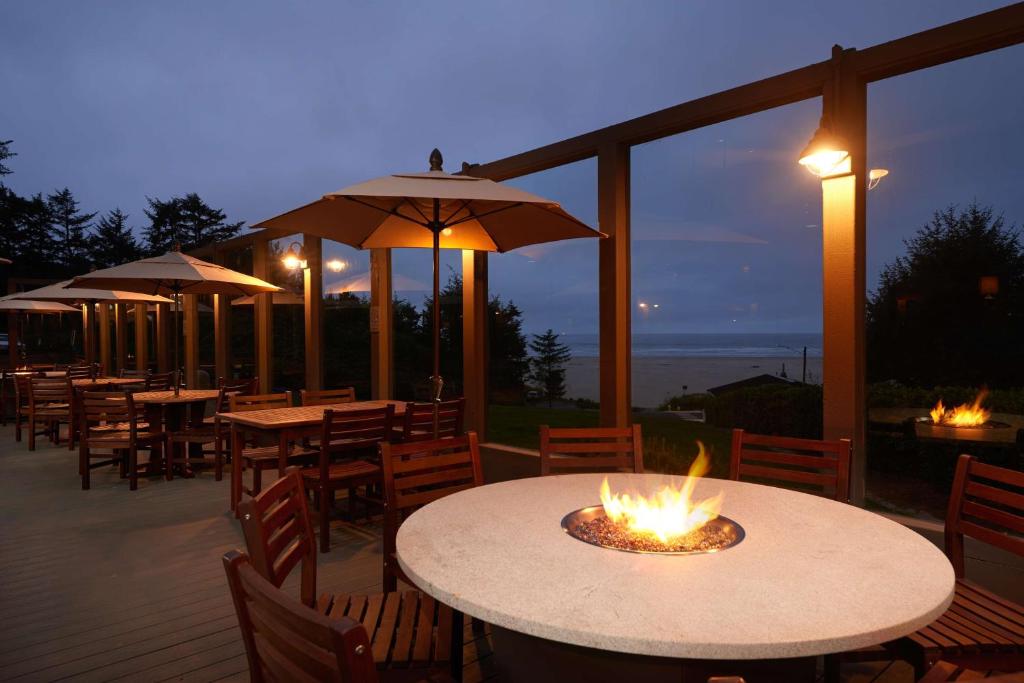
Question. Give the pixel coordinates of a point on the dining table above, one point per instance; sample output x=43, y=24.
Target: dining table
x=282, y=426
x=173, y=411
x=809, y=577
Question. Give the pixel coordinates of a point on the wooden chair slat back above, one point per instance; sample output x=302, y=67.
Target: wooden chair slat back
x=246, y=387
x=279, y=534
x=81, y=371
x=49, y=390
x=821, y=467
x=349, y=430
x=287, y=641
x=160, y=381
x=418, y=420
x=987, y=504
x=244, y=403
x=22, y=388
x=310, y=397
x=129, y=372
x=591, y=449
x=420, y=472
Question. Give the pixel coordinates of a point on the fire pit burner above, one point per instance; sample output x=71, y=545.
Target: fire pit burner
x=590, y=525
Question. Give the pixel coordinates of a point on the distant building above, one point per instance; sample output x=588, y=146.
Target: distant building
x=756, y=381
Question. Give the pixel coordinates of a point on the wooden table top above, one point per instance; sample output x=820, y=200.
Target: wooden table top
x=84, y=381
x=301, y=416
x=168, y=397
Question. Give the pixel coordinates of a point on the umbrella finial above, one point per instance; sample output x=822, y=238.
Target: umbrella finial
x=436, y=160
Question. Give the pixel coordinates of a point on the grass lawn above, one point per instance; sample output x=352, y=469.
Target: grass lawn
x=669, y=443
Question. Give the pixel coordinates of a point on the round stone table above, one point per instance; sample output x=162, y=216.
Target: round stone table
x=811, y=577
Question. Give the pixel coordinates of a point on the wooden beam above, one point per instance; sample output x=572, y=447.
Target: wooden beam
x=381, y=331
x=141, y=337
x=222, y=336
x=120, y=336
x=163, y=337
x=313, y=305
x=105, y=356
x=844, y=227
x=475, y=349
x=965, y=38
x=13, y=358
x=614, y=291
x=89, y=332
x=263, y=316
x=190, y=313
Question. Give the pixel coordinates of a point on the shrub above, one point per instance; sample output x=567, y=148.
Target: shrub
x=794, y=410
x=687, y=402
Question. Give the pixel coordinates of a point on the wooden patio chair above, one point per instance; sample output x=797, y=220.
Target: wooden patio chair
x=416, y=631
x=87, y=371
x=109, y=421
x=261, y=458
x=350, y=435
x=49, y=404
x=418, y=473
x=418, y=420
x=821, y=467
x=203, y=430
x=591, y=449
x=160, y=381
x=981, y=630
x=326, y=397
x=945, y=671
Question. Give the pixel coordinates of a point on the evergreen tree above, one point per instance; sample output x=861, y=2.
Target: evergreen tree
x=70, y=230
x=113, y=242
x=187, y=221
x=548, y=364
x=5, y=154
x=12, y=209
x=36, y=247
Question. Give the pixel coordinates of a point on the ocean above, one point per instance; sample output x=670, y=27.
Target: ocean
x=707, y=345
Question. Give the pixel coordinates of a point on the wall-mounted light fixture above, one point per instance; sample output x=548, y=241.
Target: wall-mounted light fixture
x=875, y=176
x=826, y=152
x=294, y=259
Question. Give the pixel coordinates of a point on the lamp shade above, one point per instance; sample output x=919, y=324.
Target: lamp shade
x=824, y=152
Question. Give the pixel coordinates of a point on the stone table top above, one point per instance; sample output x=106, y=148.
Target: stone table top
x=812, y=576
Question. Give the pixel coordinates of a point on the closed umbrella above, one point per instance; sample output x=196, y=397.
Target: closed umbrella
x=174, y=274
x=433, y=210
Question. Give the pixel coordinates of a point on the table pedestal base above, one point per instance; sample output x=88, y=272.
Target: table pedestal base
x=521, y=657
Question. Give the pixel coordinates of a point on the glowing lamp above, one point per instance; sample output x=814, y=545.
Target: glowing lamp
x=825, y=152
x=988, y=286
x=875, y=176
x=336, y=265
x=294, y=258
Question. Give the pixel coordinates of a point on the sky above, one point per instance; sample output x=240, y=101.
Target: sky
x=263, y=106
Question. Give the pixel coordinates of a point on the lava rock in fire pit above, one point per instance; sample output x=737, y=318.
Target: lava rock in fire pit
x=604, y=532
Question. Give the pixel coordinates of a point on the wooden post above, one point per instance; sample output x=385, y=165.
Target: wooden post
x=120, y=336
x=12, y=339
x=381, y=331
x=89, y=331
x=844, y=227
x=141, y=337
x=475, y=350
x=190, y=311
x=105, y=360
x=222, y=337
x=263, y=315
x=615, y=301
x=313, y=305
x=163, y=337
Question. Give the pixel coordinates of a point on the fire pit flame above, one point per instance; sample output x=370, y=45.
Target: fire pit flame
x=962, y=415
x=670, y=513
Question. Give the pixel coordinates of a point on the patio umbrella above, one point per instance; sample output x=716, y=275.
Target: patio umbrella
x=63, y=291
x=434, y=210
x=10, y=303
x=279, y=299
x=174, y=274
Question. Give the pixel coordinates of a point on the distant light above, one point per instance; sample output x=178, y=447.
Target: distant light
x=294, y=258
x=336, y=265
x=447, y=232
x=875, y=176
x=642, y=305
x=655, y=305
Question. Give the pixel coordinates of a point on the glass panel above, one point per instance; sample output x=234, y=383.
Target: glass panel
x=346, y=315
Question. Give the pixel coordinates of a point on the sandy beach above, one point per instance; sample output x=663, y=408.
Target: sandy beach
x=657, y=378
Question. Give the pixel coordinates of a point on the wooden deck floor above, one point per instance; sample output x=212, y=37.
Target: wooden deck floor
x=107, y=584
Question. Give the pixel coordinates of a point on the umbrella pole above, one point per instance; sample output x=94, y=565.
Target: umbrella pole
x=438, y=383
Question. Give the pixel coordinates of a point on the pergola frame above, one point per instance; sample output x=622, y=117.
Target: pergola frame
x=840, y=81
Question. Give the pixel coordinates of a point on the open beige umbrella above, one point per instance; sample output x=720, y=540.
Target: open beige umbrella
x=10, y=303
x=62, y=291
x=434, y=210
x=171, y=275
